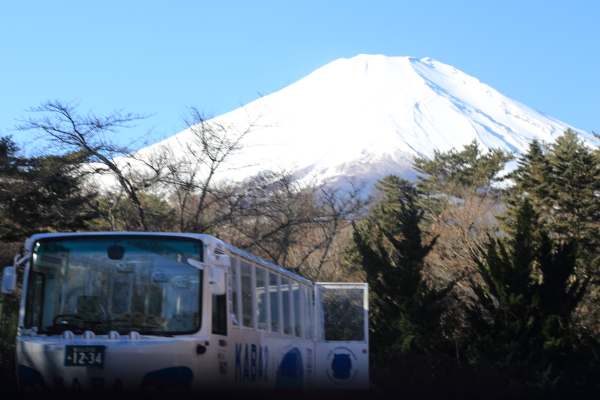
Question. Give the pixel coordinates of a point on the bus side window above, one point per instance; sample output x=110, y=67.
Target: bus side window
x=298, y=320
x=261, y=298
x=235, y=293
x=219, y=314
x=309, y=311
x=286, y=304
x=274, y=297
x=247, y=306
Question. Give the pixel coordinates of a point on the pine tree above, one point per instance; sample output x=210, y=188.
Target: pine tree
x=501, y=314
x=532, y=176
x=38, y=194
x=562, y=181
x=575, y=185
x=406, y=310
x=455, y=173
x=520, y=317
x=532, y=181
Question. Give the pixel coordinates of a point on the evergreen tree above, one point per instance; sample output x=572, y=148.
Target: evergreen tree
x=503, y=330
x=563, y=183
x=532, y=175
x=520, y=318
x=574, y=190
x=39, y=194
x=532, y=180
x=406, y=311
x=455, y=173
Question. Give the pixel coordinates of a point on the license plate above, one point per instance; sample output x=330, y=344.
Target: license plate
x=84, y=356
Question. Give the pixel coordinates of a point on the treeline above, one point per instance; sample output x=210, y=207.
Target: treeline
x=481, y=288
x=479, y=283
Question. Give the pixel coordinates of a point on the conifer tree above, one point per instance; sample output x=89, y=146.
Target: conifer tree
x=562, y=182
x=533, y=175
x=574, y=190
x=40, y=193
x=520, y=319
x=454, y=173
x=389, y=247
x=532, y=181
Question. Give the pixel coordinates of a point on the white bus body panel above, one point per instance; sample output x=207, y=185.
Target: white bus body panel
x=342, y=346
x=146, y=364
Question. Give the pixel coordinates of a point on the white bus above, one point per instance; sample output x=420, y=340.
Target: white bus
x=141, y=311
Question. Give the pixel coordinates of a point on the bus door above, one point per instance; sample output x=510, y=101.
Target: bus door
x=220, y=330
x=342, y=336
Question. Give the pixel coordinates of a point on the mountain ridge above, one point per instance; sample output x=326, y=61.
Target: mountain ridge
x=369, y=115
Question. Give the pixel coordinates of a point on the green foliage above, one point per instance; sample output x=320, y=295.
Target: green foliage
x=9, y=312
x=39, y=194
x=562, y=182
x=66, y=128
x=520, y=318
x=405, y=309
x=575, y=185
x=532, y=175
x=454, y=173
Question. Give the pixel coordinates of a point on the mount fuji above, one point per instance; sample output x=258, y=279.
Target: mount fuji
x=369, y=115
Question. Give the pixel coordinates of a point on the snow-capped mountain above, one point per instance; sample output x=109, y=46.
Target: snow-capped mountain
x=369, y=115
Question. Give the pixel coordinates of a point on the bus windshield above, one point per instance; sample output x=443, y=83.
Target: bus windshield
x=114, y=283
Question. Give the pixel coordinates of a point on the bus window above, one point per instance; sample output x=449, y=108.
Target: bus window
x=297, y=312
x=247, y=308
x=261, y=298
x=287, y=302
x=309, y=312
x=219, y=314
x=35, y=299
x=274, y=297
x=152, y=288
x=343, y=313
x=235, y=293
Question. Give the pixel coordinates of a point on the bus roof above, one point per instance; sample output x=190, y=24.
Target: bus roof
x=200, y=236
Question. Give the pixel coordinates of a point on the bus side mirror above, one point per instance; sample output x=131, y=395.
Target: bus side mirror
x=9, y=280
x=217, y=281
x=196, y=264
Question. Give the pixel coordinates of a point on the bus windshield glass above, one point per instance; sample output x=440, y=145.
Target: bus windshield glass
x=114, y=283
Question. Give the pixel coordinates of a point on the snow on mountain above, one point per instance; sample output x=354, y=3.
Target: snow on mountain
x=367, y=116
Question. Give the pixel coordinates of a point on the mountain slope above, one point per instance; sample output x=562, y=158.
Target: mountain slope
x=369, y=115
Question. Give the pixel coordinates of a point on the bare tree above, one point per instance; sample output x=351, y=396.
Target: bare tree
x=68, y=130
x=201, y=200
x=295, y=225
x=462, y=228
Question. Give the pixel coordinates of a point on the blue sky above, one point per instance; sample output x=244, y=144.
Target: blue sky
x=159, y=57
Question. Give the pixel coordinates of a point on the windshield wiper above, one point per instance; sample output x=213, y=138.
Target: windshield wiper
x=58, y=329
x=114, y=324
x=142, y=330
x=77, y=324
x=157, y=333
x=145, y=331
